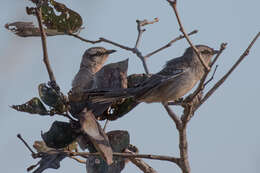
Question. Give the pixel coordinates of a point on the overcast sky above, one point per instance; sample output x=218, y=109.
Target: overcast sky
x=223, y=136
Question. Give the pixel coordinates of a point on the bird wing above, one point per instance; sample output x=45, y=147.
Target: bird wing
x=156, y=81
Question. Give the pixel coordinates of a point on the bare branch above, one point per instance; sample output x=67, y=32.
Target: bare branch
x=174, y=117
x=25, y=143
x=105, y=126
x=173, y=5
x=116, y=44
x=184, y=164
x=169, y=44
x=140, y=33
x=44, y=45
x=141, y=164
x=212, y=77
x=78, y=160
x=222, y=80
x=146, y=22
x=124, y=155
x=222, y=48
x=83, y=39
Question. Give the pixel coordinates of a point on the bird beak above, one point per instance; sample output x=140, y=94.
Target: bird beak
x=215, y=52
x=110, y=51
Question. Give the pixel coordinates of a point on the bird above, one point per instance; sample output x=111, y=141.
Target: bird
x=177, y=78
x=92, y=61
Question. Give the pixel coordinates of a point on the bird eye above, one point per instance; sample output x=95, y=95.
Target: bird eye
x=205, y=52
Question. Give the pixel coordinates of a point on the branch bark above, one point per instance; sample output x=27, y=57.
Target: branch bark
x=44, y=45
x=124, y=155
x=173, y=5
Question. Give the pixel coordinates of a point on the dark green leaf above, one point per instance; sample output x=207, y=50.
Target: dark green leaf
x=60, y=135
x=49, y=161
x=56, y=16
x=52, y=98
x=119, y=140
x=34, y=106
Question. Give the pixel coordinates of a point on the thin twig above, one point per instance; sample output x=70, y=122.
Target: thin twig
x=174, y=117
x=105, y=126
x=222, y=48
x=116, y=44
x=124, y=155
x=44, y=45
x=140, y=33
x=173, y=5
x=212, y=77
x=169, y=44
x=78, y=160
x=140, y=163
x=66, y=115
x=222, y=80
x=83, y=39
x=25, y=143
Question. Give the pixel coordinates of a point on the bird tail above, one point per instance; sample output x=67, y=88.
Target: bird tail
x=110, y=95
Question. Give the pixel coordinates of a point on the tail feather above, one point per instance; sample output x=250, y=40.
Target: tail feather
x=106, y=96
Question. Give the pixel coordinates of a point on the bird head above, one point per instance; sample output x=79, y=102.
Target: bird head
x=205, y=52
x=95, y=57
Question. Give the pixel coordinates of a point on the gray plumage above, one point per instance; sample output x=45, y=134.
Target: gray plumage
x=178, y=77
x=92, y=61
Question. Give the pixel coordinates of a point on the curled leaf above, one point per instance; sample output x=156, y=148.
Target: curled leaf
x=51, y=97
x=41, y=146
x=34, y=106
x=27, y=29
x=23, y=29
x=60, y=135
x=48, y=161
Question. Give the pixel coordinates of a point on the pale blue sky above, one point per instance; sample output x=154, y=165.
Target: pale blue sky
x=224, y=134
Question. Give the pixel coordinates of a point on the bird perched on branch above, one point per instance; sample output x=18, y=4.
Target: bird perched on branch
x=92, y=61
x=178, y=77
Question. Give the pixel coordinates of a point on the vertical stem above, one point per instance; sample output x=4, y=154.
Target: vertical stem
x=185, y=166
x=44, y=45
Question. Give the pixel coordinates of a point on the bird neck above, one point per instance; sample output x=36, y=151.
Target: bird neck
x=90, y=68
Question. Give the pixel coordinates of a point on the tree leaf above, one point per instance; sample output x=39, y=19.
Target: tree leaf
x=50, y=161
x=34, y=106
x=56, y=16
x=60, y=135
x=119, y=141
x=27, y=29
x=52, y=98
